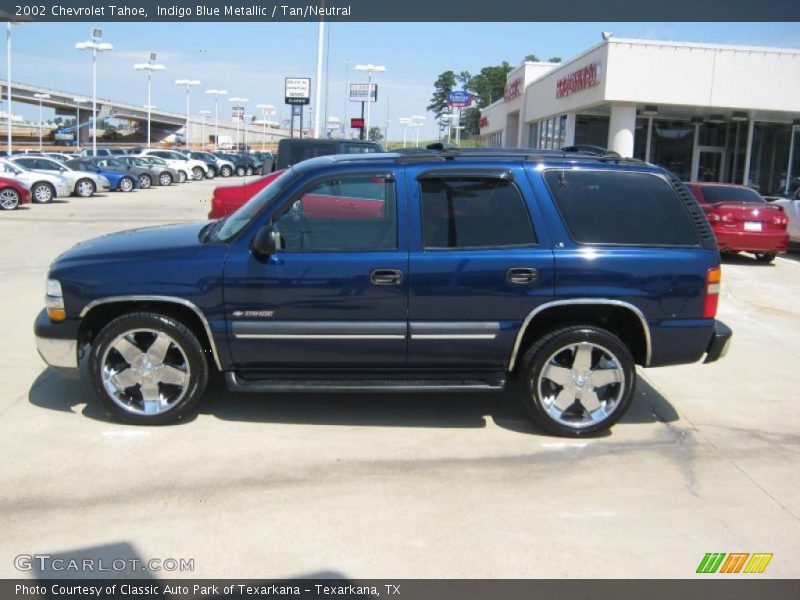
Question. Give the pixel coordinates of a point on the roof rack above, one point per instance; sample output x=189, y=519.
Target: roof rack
x=443, y=152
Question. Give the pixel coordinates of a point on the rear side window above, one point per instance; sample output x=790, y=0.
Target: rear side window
x=460, y=212
x=723, y=193
x=358, y=148
x=612, y=207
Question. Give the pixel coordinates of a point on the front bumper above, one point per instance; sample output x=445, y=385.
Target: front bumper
x=720, y=342
x=57, y=344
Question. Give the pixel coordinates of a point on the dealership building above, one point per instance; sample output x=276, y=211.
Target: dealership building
x=708, y=112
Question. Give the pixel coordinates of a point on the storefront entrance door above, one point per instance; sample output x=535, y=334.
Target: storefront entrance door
x=709, y=164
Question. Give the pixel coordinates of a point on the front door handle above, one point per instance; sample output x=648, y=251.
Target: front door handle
x=386, y=277
x=522, y=275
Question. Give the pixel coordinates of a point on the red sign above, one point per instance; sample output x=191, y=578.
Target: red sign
x=588, y=76
x=357, y=123
x=513, y=90
x=484, y=122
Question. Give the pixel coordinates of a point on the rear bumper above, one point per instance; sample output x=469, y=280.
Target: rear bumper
x=746, y=241
x=57, y=344
x=720, y=342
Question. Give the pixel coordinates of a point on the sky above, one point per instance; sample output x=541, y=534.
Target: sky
x=251, y=60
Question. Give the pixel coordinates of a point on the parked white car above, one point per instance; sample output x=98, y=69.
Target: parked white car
x=791, y=206
x=44, y=186
x=82, y=183
x=194, y=169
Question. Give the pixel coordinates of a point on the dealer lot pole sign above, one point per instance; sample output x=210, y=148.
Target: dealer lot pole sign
x=297, y=93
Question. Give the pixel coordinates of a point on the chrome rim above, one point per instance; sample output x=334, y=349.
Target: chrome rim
x=9, y=199
x=182, y=177
x=145, y=372
x=198, y=173
x=126, y=185
x=165, y=179
x=240, y=171
x=581, y=385
x=226, y=171
x=43, y=193
x=85, y=189
x=144, y=182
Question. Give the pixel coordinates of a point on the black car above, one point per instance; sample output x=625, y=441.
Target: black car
x=244, y=164
x=294, y=150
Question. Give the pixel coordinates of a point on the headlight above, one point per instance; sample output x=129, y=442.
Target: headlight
x=54, y=301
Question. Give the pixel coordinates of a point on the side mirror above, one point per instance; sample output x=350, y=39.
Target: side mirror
x=266, y=242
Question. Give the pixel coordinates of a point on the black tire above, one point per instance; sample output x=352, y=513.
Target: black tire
x=182, y=177
x=165, y=178
x=211, y=173
x=9, y=199
x=198, y=173
x=145, y=181
x=555, y=346
x=42, y=192
x=240, y=171
x=85, y=188
x=126, y=184
x=181, y=336
x=766, y=257
x=249, y=171
x=226, y=171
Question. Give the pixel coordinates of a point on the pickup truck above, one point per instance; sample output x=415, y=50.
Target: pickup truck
x=557, y=272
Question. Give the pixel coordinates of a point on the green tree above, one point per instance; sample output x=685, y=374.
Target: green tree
x=375, y=134
x=531, y=58
x=442, y=87
x=554, y=59
x=487, y=86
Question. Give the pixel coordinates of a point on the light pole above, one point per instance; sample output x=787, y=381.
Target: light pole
x=149, y=66
x=189, y=83
x=41, y=97
x=204, y=114
x=266, y=110
x=9, y=23
x=78, y=100
x=95, y=45
x=216, y=94
x=416, y=121
x=370, y=69
x=245, y=119
x=405, y=122
x=235, y=101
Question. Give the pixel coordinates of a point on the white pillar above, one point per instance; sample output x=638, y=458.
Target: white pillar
x=621, y=127
x=748, y=153
x=569, y=138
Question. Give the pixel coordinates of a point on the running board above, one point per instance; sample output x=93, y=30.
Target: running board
x=237, y=384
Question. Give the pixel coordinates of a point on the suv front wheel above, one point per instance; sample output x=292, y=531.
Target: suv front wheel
x=578, y=380
x=148, y=368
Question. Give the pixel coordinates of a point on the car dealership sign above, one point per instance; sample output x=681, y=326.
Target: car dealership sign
x=459, y=99
x=513, y=90
x=577, y=81
x=298, y=90
x=361, y=92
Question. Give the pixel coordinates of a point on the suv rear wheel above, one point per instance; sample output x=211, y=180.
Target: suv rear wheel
x=578, y=380
x=148, y=368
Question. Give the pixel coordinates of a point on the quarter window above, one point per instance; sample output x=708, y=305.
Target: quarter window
x=612, y=207
x=466, y=212
x=344, y=214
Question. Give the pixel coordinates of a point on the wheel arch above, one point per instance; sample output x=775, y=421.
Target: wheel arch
x=621, y=318
x=98, y=313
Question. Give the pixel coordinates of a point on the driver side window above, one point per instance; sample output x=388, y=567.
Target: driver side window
x=347, y=214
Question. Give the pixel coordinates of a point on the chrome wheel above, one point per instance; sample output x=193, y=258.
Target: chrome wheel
x=226, y=171
x=145, y=181
x=42, y=193
x=145, y=372
x=581, y=385
x=85, y=188
x=198, y=173
x=126, y=184
x=9, y=199
x=181, y=177
x=165, y=179
x=240, y=171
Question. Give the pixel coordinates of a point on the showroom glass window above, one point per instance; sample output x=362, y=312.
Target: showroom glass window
x=672, y=145
x=591, y=130
x=769, y=162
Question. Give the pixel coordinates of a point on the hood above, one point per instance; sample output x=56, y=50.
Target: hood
x=160, y=243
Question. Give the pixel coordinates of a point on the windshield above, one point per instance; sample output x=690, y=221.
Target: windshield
x=242, y=217
x=723, y=193
x=8, y=167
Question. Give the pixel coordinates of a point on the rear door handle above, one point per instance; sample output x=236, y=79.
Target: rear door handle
x=386, y=277
x=522, y=275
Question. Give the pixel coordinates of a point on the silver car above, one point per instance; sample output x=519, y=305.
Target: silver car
x=82, y=183
x=44, y=186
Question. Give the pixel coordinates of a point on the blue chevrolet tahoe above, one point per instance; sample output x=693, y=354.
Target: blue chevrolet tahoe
x=424, y=271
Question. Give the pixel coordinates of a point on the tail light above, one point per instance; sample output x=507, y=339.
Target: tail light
x=713, y=278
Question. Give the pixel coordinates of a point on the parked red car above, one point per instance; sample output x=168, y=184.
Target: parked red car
x=228, y=198
x=742, y=220
x=13, y=193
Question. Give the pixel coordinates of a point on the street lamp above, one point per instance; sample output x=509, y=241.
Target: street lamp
x=149, y=66
x=266, y=109
x=416, y=122
x=95, y=45
x=216, y=94
x=78, y=100
x=405, y=122
x=204, y=114
x=9, y=24
x=189, y=83
x=235, y=101
x=245, y=120
x=41, y=97
x=370, y=69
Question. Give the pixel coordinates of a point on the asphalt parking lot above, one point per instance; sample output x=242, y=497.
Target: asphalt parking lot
x=398, y=486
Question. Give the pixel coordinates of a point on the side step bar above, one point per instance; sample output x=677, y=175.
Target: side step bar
x=237, y=384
